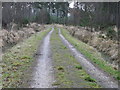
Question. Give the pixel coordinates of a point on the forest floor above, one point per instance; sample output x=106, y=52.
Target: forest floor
x=52, y=61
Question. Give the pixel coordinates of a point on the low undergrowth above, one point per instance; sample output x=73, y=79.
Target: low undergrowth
x=68, y=72
x=18, y=59
x=91, y=54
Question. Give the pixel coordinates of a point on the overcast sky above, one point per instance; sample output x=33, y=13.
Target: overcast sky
x=71, y=5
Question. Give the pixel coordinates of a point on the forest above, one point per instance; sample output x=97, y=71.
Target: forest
x=100, y=15
x=60, y=44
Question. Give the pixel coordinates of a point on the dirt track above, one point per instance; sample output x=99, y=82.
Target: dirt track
x=43, y=73
x=103, y=79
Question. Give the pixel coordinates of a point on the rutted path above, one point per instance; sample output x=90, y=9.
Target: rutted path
x=43, y=71
x=103, y=79
x=56, y=65
x=68, y=72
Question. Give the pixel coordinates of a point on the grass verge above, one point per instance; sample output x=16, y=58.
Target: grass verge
x=18, y=59
x=91, y=54
x=68, y=72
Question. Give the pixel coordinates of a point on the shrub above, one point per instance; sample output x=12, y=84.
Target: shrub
x=111, y=33
x=25, y=21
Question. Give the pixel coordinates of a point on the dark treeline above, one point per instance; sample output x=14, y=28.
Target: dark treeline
x=92, y=14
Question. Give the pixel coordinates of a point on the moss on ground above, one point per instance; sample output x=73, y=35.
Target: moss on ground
x=68, y=72
x=91, y=54
x=18, y=59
